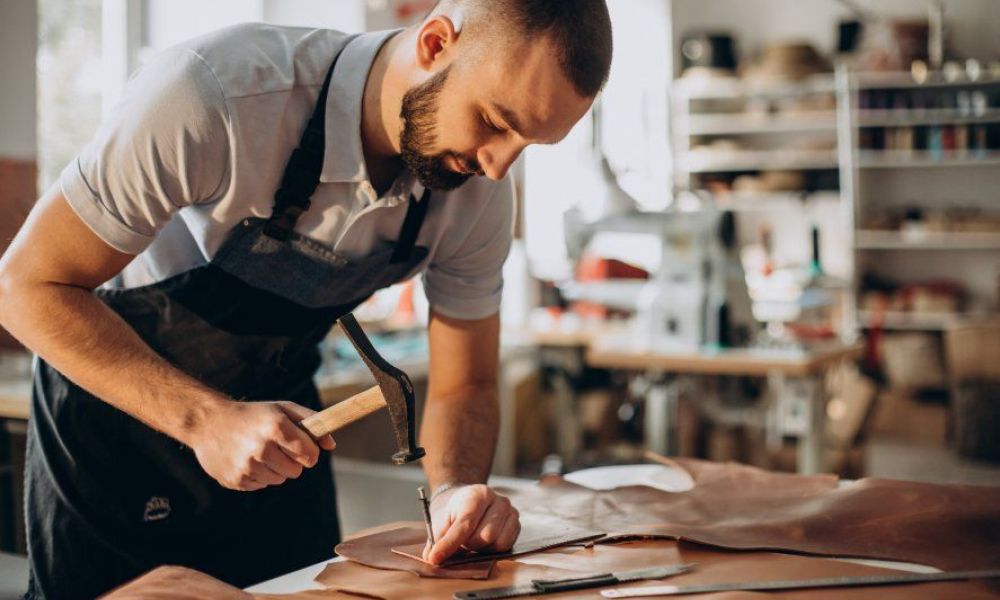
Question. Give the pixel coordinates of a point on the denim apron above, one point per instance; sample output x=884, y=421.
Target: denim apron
x=109, y=498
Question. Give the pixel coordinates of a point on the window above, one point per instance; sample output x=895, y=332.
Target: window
x=69, y=82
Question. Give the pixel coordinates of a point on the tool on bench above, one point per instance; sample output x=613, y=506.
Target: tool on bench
x=856, y=581
x=426, y=506
x=393, y=391
x=552, y=586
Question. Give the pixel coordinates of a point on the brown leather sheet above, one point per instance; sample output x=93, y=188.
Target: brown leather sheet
x=731, y=506
x=951, y=527
x=713, y=566
x=344, y=579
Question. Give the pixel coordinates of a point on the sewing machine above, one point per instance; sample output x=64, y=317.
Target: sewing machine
x=696, y=297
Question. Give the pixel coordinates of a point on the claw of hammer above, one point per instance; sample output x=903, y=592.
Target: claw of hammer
x=394, y=391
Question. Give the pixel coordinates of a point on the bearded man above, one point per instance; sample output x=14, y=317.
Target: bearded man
x=253, y=186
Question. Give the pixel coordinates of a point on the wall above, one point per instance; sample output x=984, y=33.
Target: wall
x=342, y=15
x=18, y=45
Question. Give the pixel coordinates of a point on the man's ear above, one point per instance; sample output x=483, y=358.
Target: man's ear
x=435, y=43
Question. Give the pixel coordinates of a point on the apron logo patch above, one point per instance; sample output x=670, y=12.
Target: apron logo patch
x=157, y=509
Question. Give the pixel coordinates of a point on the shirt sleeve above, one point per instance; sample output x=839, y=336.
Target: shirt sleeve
x=468, y=283
x=165, y=146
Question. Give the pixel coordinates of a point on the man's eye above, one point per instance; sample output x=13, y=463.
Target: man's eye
x=492, y=125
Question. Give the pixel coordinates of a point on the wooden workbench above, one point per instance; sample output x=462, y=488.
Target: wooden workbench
x=614, y=354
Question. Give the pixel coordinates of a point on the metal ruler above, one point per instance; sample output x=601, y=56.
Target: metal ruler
x=551, y=586
x=677, y=590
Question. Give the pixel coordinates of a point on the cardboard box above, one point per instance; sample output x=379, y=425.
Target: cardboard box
x=973, y=351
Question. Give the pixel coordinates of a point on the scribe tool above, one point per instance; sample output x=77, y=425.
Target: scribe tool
x=427, y=514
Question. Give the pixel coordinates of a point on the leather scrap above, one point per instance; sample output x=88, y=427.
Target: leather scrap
x=537, y=534
x=952, y=527
x=375, y=550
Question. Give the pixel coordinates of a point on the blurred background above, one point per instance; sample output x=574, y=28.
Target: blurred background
x=775, y=239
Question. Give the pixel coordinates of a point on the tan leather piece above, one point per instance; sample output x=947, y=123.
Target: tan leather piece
x=176, y=583
x=537, y=534
x=375, y=550
x=713, y=566
x=951, y=527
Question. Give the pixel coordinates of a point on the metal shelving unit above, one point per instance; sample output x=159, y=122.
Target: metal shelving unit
x=756, y=140
x=870, y=177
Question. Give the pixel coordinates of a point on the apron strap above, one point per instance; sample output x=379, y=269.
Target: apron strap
x=416, y=211
x=302, y=173
x=301, y=177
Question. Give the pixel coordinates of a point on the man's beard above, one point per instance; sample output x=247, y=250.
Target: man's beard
x=418, y=111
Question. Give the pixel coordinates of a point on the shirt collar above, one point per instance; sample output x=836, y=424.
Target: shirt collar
x=343, y=158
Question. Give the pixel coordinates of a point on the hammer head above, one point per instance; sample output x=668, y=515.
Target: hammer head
x=396, y=388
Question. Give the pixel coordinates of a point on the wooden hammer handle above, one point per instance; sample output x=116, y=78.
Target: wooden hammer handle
x=344, y=412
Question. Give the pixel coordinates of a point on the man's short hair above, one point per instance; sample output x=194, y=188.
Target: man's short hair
x=580, y=29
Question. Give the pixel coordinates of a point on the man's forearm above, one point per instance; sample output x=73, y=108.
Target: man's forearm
x=88, y=342
x=460, y=434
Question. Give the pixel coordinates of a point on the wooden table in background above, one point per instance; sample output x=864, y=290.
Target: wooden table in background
x=805, y=366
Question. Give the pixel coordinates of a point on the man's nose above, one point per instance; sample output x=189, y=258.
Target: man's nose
x=496, y=159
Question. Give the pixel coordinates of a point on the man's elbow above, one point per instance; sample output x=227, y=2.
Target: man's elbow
x=8, y=289
x=13, y=290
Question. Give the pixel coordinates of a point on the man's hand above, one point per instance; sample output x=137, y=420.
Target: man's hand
x=473, y=517
x=250, y=445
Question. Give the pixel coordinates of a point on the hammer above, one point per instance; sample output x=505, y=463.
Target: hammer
x=394, y=391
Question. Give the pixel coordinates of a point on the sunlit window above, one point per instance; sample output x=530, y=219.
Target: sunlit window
x=69, y=81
